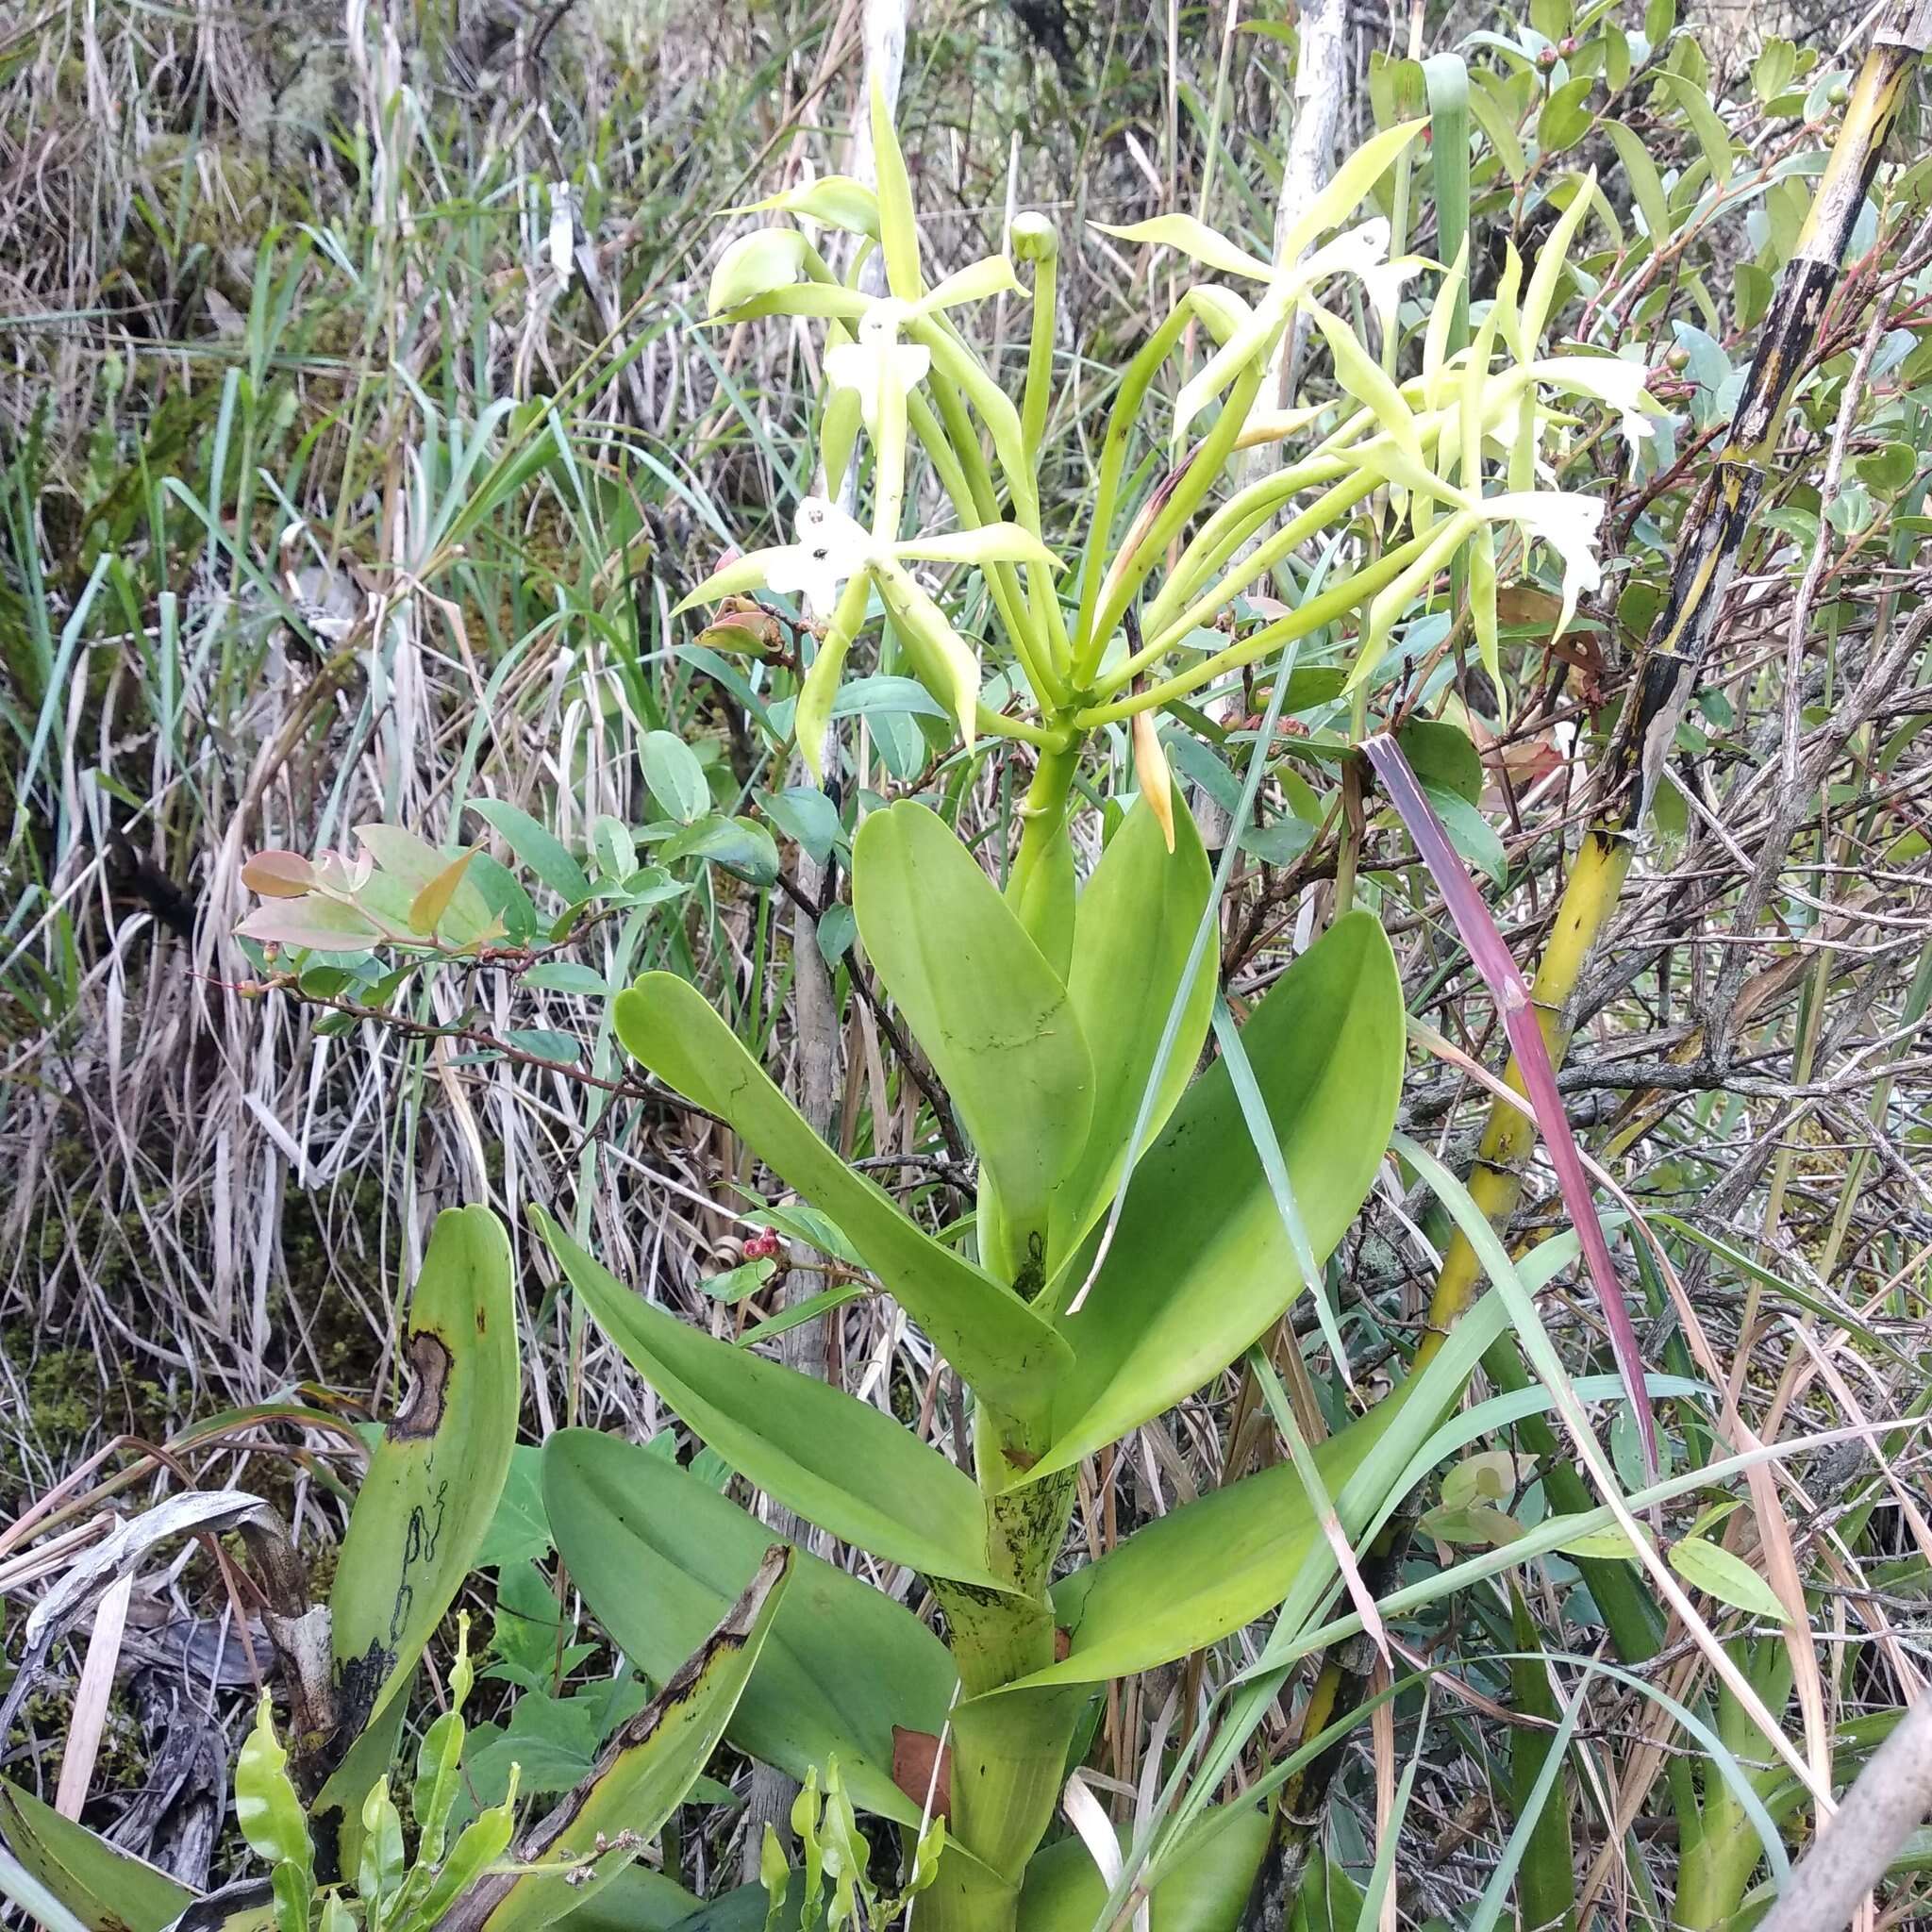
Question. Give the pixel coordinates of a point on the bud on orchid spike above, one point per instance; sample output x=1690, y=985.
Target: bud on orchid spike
x=1150, y=767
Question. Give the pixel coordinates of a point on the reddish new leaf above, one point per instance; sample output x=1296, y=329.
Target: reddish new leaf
x=326, y=925
x=278, y=875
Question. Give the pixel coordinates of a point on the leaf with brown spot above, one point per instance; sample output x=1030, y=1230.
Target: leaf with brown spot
x=641, y=1777
x=424, y=1506
x=921, y=1768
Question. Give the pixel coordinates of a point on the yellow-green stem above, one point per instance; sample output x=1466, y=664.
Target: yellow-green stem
x=1040, y=889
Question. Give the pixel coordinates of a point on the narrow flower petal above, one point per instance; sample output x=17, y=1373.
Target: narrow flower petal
x=1610, y=379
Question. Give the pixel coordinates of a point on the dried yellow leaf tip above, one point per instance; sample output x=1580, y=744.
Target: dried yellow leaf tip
x=1150, y=767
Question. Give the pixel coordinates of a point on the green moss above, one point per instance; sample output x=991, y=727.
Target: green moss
x=74, y=1395
x=326, y=1277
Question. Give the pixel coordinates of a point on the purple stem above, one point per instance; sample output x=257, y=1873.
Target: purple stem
x=1512, y=995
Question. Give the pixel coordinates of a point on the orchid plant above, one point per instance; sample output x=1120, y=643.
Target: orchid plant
x=1129, y=1238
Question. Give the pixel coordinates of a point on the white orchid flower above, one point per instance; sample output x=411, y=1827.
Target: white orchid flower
x=831, y=554
x=1570, y=523
x=829, y=547
x=1384, y=282
x=878, y=363
x=1361, y=252
x=1609, y=379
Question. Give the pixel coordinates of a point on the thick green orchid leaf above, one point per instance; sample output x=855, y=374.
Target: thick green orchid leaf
x=107, y=1889
x=988, y=1009
x=841, y=1463
x=1204, y=1889
x=1204, y=1571
x=1199, y=1265
x=645, y=1771
x=1007, y=1352
x=424, y=1507
x=1207, y=1568
x=659, y=1555
x=1133, y=929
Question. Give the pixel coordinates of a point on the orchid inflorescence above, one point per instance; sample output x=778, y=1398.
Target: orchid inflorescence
x=1415, y=456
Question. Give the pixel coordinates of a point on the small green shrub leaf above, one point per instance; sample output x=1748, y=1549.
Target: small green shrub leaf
x=1719, y=1573
x=674, y=776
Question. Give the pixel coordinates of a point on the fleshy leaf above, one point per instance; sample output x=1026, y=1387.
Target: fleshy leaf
x=645, y=1771
x=103, y=1886
x=659, y=1555
x=1133, y=928
x=1199, y=1265
x=1001, y=1348
x=442, y=1459
x=991, y=1012
x=840, y=1462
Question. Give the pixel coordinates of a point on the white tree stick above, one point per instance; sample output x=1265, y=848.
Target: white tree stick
x=1892, y=1794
